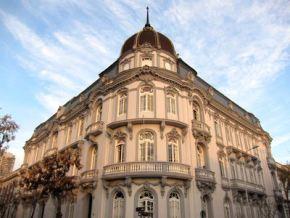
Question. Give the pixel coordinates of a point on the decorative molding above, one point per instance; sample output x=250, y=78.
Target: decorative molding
x=120, y=136
x=173, y=135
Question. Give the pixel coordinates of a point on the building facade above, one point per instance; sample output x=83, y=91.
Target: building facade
x=6, y=163
x=157, y=139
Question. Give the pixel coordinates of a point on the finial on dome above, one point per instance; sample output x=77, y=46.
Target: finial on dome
x=147, y=20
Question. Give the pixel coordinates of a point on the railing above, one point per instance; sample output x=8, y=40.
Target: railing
x=50, y=151
x=95, y=128
x=244, y=185
x=200, y=126
x=144, y=169
x=204, y=174
x=89, y=175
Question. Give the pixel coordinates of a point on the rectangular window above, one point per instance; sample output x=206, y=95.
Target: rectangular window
x=143, y=103
x=150, y=102
x=81, y=127
x=218, y=130
x=68, y=134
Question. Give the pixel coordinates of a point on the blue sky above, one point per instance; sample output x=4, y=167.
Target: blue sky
x=51, y=50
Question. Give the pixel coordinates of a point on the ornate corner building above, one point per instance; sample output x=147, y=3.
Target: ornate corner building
x=157, y=138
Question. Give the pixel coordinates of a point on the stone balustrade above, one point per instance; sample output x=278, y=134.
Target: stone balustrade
x=200, y=126
x=50, y=151
x=244, y=185
x=147, y=169
x=95, y=128
x=89, y=175
x=203, y=174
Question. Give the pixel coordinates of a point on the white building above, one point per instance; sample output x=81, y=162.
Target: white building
x=156, y=137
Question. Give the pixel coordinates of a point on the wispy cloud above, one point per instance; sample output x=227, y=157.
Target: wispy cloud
x=240, y=47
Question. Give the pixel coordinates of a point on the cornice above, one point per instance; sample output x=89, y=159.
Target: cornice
x=231, y=115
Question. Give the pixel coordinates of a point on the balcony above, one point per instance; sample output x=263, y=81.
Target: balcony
x=244, y=185
x=202, y=174
x=94, y=129
x=89, y=179
x=205, y=180
x=147, y=169
x=50, y=151
x=201, y=131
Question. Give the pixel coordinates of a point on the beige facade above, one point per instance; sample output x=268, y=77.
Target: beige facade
x=154, y=136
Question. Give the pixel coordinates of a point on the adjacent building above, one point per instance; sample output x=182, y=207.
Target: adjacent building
x=159, y=140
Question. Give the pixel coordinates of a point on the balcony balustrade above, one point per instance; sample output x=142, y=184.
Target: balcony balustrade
x=201, y=131
x=89, y=175
x=244, y=185
x=88, y=179
x=95, y=129
x=147, y=169
x=50, y=151
x=202, y=174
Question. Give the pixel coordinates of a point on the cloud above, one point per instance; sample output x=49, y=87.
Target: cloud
x=234, y=44
x=240, y=47
x=280, y=140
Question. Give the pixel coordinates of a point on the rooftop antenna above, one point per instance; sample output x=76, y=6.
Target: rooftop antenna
x=147, y=19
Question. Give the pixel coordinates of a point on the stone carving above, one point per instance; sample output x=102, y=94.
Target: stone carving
x=173, y=135
x=120, y=136
x=205, y=187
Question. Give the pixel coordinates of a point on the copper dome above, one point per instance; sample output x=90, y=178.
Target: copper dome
x=148, y=36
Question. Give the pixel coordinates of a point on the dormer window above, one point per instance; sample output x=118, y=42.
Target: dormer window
x=146, y=61
x=167, y=65
x=126, y=66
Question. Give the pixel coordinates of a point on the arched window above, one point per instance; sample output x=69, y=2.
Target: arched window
x=173, y=151
x=122, y=105
x=200, y=156
x=146, y=146
x=99, y=110
x=120, y=153
x=118, y=205
x=174, y=205
x=227, y=209
x=206, y=207
x=171, y=103
x=146, y=98
x=94, y=157
x=90, y=204
x=146, y=201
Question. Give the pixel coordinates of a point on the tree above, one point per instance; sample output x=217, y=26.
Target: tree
x=50, y=178
x=284, y=177
x=8, y=127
